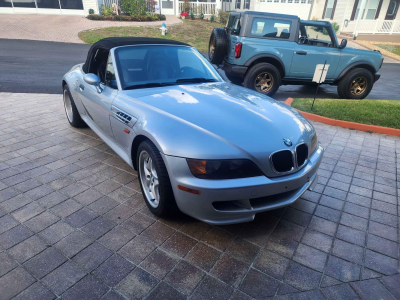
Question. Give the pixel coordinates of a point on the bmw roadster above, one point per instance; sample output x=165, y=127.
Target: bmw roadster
x=216, y=151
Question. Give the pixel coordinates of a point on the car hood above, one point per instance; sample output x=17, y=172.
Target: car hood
x=247, y=120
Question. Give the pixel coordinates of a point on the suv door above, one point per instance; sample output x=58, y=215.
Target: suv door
x=316, y=44
x=233, y=30
x=98, y=105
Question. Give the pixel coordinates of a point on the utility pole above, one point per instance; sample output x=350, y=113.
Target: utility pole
x=360, y=13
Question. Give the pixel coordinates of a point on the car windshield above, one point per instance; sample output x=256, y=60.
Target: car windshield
x=160, y=65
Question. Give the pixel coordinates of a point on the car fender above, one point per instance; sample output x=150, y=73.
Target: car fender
x=262, y=56
x=361, y=63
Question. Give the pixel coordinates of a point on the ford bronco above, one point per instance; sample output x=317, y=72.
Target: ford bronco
x=263, y=51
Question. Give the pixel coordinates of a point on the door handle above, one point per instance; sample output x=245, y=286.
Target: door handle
x=81, y=87
x=301, y=52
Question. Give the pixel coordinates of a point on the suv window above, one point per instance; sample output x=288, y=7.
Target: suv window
x=272, y=28
x=315, y=36
x=233, y=25
x=110, y=81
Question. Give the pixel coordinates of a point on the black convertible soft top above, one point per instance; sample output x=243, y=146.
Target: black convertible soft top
x=111, y=42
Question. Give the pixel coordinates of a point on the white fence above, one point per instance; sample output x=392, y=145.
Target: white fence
x=198, y=7
x=374, y=26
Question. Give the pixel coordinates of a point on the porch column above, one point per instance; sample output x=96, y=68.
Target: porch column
x=360, y=13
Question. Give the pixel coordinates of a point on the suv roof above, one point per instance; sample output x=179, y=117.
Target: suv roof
x=249, y=12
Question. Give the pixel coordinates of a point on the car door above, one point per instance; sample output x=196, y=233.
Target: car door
x=98, y=105
x=322, y=47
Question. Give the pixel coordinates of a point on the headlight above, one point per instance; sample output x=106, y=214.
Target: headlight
x=223, y=169
x=314, y=142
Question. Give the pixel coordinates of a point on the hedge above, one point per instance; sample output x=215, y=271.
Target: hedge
x=127, y=18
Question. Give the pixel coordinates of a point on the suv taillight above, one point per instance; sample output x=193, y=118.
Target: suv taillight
x=238, y=50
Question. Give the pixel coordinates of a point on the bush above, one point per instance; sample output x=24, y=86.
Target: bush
x=134, y=7
x=223, y=16
x=106, y=10
x=122, y=18
x=162, y=17
x=335, y=26
x=147, y=17
x=212, y=19
x=201, y=16
x=95, y=17
x=192, y=15
x=91, y=11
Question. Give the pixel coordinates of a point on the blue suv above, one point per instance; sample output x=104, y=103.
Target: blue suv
x=263, y=51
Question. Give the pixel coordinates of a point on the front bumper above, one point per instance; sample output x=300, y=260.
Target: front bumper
x=233, y=70
x=231, y=201
x=377, y=76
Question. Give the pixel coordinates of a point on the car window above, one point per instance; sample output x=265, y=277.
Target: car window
x=272, y=28
x=233, y=26
x=315, y=36
x=110, y=80
x=160, y=64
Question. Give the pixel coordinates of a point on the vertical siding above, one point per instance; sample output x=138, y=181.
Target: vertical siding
x=90, y=4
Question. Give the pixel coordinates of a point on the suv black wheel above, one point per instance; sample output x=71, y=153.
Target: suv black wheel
x=154, y=180
x=218, y=46
x=356, y=84
x=264, y=78
x=73, y=116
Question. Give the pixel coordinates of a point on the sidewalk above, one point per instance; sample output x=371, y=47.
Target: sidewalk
x=60, y=28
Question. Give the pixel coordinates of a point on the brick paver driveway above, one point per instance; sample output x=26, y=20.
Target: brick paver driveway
x=73, y=223
x=59, y=28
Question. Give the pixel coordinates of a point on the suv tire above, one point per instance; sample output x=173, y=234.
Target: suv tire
x=152, y=171
x=218, y=46
x=264, y=78
x=356, y=84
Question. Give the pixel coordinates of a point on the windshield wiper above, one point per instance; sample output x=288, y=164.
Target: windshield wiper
x=199, y=79
x=148, y=85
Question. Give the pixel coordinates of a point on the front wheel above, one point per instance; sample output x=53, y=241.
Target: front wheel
x=71, y=111
x=356, y=84
x=263, y=78
x=154, y=180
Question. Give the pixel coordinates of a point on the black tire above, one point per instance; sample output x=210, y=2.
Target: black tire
x=74, y=118
x=346, y=87
x=258, y=70
x=167, y=205
x=234, y=79
x=218, y=46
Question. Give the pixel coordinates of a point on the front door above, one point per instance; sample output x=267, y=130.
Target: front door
x=315, y=46
x=167, y=7
x=98, y=105
x=392, y=9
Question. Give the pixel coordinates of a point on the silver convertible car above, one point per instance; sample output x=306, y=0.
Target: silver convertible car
x=218, y=152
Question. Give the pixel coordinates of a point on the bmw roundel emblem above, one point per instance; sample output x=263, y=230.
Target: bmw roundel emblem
x=287, y=142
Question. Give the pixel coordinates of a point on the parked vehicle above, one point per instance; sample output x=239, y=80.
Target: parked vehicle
x=265, y=50
x=216, y=151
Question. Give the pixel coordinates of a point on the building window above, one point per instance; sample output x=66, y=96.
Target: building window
x=24, y=3
x=289, y=1
x=71, y=4
x=329, y=9
x=237, y=6
x=269, y=0
x=296, y=1
x=276, y=1
x=283, y=1
x=5, y=3
x=246, y=4
x=54, y=4
x=303, y=1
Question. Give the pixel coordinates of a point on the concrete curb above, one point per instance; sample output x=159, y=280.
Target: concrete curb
x=346, y=124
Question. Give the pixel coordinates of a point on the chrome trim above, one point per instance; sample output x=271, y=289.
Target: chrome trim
x=295, y=167
x=122, y=116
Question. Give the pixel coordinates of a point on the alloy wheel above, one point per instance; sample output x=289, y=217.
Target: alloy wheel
x=264, y=82
x=68, y=106
x=149, y=179
x=358, y=86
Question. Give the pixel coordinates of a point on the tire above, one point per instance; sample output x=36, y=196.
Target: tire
x=218, y=46
x=73, y=116
x=234, y=79
x=356, y=84
x=163, y=205
x=257, y=73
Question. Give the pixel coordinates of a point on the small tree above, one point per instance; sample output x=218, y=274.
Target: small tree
x=134, y=7
x=212, y=18
x=201, y=16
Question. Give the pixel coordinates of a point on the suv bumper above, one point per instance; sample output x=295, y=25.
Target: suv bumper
x=233, y=70
x=377, y=76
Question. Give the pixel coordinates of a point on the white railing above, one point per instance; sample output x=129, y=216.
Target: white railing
x=199, y=7
x=374, y=26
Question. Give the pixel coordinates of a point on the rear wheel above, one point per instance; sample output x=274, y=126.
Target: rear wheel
x=263, y=78
x=154, y=180
x=218, y=46
x=71, y=111
x=356, y=84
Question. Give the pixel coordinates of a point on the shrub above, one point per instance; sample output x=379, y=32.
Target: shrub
x=106, y=10
x=122, y=18
x=91, y=11
x=212, y=18
x=162, y=17
x=184, y=14
x=201, y=16
x=223, y=16
x=134, y=7
x=95, y=17
x=192, y=15
x=335, y=26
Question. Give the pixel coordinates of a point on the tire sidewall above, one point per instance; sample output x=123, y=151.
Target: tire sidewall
x=145, y=146
x=257, y=70
x=345, y=88
x=66, y=89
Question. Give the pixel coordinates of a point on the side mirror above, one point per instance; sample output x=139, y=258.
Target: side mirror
x=93, y=79
x=343, y=44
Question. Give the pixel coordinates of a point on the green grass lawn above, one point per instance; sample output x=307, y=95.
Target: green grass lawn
x=392, y=48
x=372, y=112
x=195, y=33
